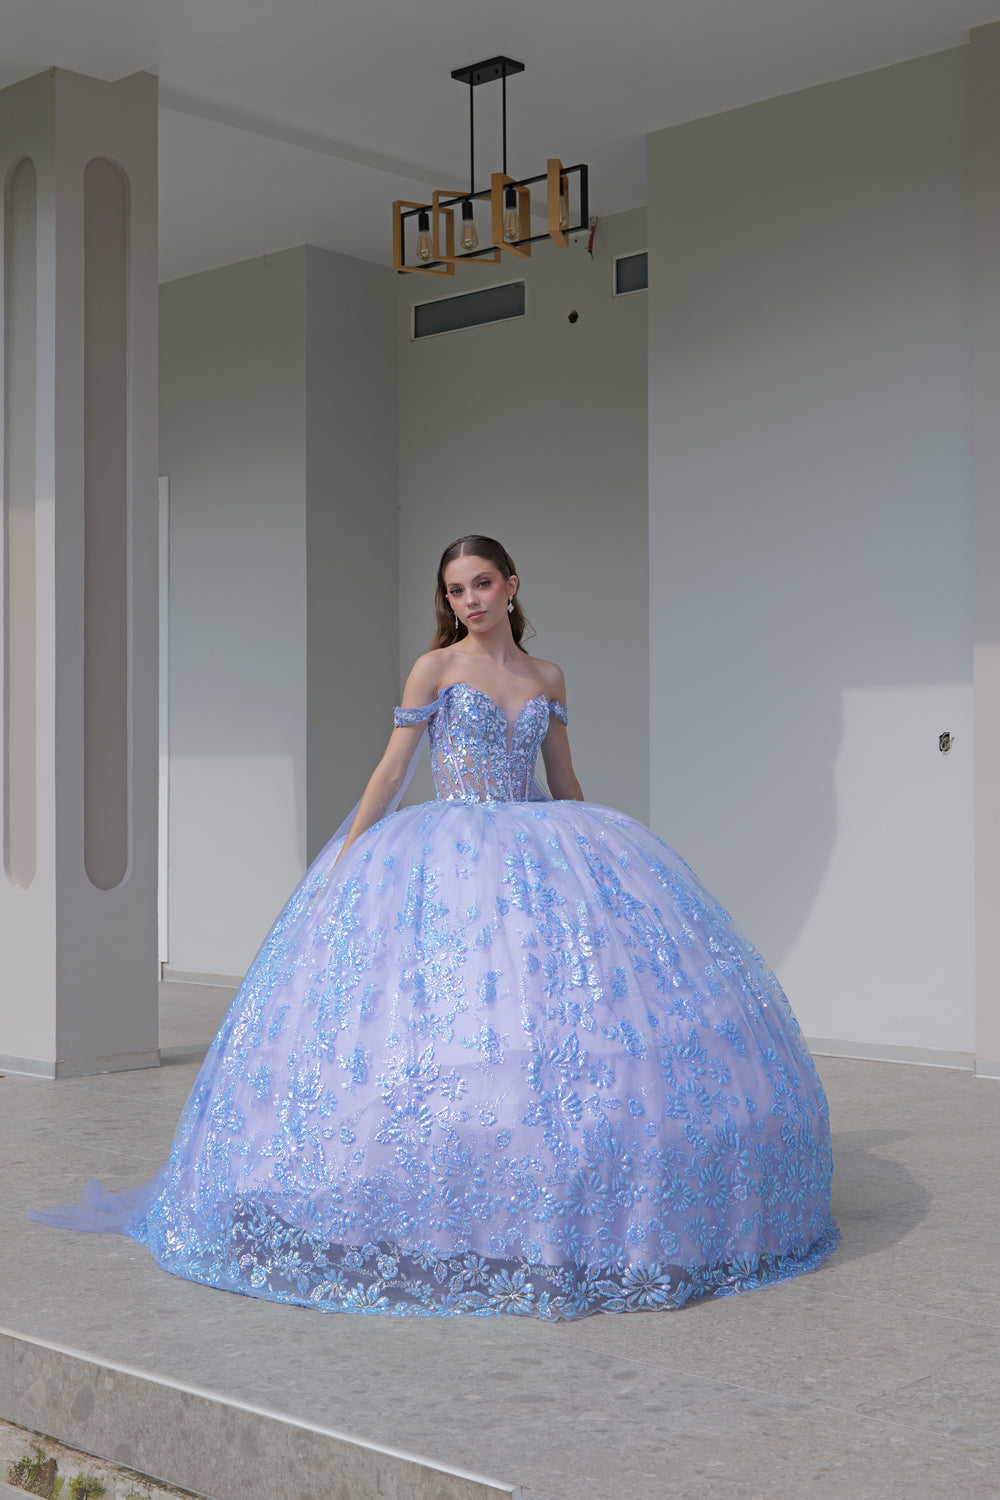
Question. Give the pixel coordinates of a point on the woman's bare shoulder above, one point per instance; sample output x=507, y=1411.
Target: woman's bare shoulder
x=425, y=678
x=552, y=678
x=433, y=659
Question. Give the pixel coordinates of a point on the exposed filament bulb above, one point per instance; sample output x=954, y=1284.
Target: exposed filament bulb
x=424, y=249
x=511, y=217
x=470, y=239
x=563, y=203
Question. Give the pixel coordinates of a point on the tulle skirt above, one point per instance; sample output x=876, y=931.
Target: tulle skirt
x=505, y=1058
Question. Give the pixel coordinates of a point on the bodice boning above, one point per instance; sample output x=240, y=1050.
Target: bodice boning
x=477, y=754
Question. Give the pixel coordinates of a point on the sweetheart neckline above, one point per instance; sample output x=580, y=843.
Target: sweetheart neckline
x=538, y=698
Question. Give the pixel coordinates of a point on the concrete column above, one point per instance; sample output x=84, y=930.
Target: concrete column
x=79, y=578
x=985, y=322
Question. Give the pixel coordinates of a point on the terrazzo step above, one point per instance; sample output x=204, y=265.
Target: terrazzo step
x=157, y=1432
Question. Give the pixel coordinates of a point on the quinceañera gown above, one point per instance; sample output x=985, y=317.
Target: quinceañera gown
x=509, y=1057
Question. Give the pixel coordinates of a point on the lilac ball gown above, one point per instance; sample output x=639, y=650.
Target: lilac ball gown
x=509, y=1057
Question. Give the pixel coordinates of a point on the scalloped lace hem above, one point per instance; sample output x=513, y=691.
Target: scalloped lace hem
x=386, y=1279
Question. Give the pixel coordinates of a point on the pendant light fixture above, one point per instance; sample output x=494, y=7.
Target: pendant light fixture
x=423, y=234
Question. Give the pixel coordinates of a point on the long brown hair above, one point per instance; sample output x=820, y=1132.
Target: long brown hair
x=449, y=629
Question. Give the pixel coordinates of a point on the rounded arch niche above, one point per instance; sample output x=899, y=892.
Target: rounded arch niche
x=106, y=706
x=18, y=583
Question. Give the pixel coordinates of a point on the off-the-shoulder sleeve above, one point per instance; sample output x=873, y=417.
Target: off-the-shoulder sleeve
x=558, y=710
x=403, y=717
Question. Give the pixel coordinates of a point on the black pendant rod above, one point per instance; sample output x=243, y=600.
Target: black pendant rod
x=505, y=120
x=487, y=72
x=472, y=137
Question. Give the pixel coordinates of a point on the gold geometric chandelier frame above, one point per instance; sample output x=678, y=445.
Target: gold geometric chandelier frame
x=424, y=238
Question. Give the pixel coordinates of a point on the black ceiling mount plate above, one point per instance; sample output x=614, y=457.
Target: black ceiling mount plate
x=488, y=71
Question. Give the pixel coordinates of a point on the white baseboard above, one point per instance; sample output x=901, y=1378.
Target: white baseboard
x=921, y=1057
x=187, y=976
x=81, y=1067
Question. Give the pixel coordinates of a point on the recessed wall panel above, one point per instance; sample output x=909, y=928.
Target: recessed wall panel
x=19, y=647
x=105, y=632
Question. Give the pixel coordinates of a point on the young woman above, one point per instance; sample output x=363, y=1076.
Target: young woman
x=501, y=1053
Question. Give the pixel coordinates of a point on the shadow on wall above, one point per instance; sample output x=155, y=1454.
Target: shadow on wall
x=743, y=778
x=810, y=610
x=816, y=801
x=810, y=534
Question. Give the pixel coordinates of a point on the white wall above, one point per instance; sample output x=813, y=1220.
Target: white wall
x=232, y=441
x=984, y=50
x=352, y=530
x=810, y=559
x=534, y=431
x=278, y=423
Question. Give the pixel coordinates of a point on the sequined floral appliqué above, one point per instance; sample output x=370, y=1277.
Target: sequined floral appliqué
x=509, y=1056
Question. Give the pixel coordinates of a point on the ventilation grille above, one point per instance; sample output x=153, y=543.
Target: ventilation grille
x=491, y=304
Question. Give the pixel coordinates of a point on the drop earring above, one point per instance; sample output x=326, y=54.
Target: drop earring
x=510, y=605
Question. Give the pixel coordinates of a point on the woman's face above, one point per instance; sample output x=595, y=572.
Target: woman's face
x=478, y=593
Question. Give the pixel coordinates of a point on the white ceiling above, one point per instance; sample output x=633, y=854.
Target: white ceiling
x=286, y=121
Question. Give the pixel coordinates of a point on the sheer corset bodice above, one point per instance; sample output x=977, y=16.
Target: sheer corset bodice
x=477, y=755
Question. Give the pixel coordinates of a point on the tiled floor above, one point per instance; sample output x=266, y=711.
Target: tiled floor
x=877, y=1376
x=189, y=1018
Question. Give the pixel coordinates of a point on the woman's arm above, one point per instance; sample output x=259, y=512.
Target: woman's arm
x=556, y=755
x=385, y=782
x=387, y=778
x=559, y=771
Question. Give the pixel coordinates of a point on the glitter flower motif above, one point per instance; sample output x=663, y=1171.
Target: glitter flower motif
x=501, y=1050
